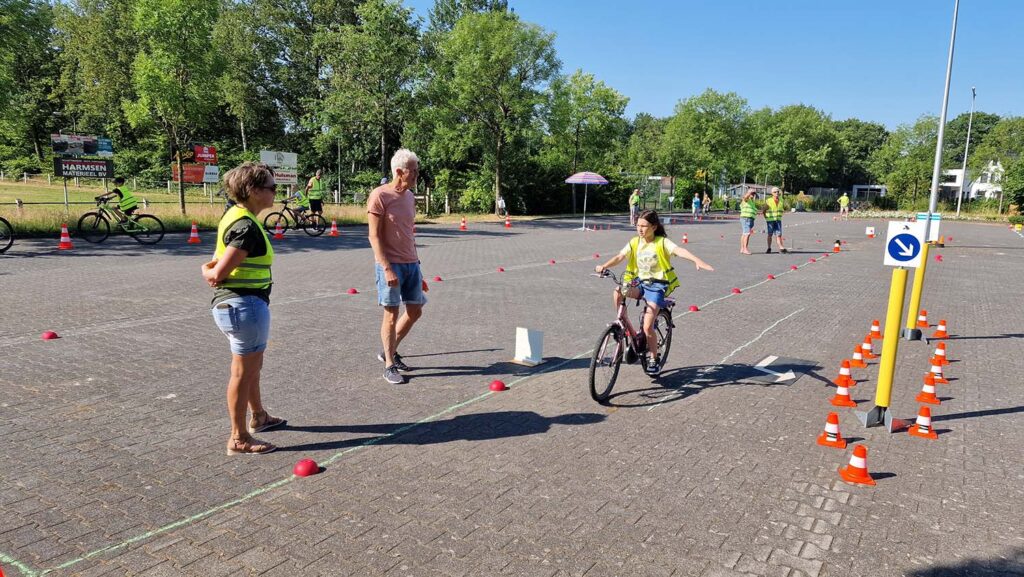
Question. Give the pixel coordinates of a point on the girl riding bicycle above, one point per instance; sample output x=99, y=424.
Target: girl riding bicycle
x=649, y=274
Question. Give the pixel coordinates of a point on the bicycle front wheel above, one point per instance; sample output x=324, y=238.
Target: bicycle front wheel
x=663, y=327
x=314, y=225
x=93, y=227
x=273, y=219
x=605, y=363
x=6, y=235
x=147, y=229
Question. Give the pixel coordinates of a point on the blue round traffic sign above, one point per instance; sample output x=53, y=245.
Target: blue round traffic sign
x=904, y=247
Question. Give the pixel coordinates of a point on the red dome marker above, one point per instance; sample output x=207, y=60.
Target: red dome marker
x=793, y=267
x=694, y=309
x=498, y=386
x=437, y=279
x=50, y=335
x=552, y=261
x=812, y=259
x=305, y=468
x=353, y=291
x=597, y=255
x=736, y=291
x=501, y=269
x=771, y=277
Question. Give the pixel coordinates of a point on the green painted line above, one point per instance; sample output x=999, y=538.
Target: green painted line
x=21, y=567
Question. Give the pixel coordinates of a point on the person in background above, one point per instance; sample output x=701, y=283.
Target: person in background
x=314, y=193
x=844, y=207
x=127, y=204
x=748, y=212
x=773, y=218
x=634, y=206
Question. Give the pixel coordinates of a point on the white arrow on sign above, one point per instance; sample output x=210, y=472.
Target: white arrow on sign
x=905, y=250
x=763, y=367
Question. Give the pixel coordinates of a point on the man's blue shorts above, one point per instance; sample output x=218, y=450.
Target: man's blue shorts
x=775, y=227
x=409, y=289
x=748, y=225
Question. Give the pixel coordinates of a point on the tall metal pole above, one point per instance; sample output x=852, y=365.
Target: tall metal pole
x=910, y=332
x=967, y=148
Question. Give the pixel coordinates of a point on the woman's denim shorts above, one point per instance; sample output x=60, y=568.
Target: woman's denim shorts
x=748, y=225
x=245, y=321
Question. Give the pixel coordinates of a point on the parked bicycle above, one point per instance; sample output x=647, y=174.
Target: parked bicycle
x=6, y=235
x=620, y=341
x=94, y=226
x=287, y=217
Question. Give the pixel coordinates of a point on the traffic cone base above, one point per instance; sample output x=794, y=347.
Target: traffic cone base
x=858, y=358
x=508, y=221
x=844, y=377
x=193, y=237
x=278, y=232
x=940, y=331
x=463, y=226
x=876, y=330
x=940, y=355
x=831, y=437
x=936, y=374
x=922, y=319
x=334, y=229
x=865, y=348
x=923, y=426
x=857, y=471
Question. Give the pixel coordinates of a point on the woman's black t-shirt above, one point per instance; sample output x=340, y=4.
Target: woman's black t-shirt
x=244, y=235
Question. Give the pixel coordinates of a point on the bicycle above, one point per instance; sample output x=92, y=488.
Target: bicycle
x=620, y=341
x=6, y=235
x=94, y=226
x=312, y=224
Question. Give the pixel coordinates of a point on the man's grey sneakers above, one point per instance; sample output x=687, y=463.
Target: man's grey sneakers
x=398, y=361
x=391, y=375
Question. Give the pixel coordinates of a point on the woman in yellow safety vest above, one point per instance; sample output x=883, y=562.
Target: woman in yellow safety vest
x=773, y=219
x=748, y=212
x=240, y=274
x=649, y=273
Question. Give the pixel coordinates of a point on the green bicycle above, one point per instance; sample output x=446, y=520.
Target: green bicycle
x=94, y=226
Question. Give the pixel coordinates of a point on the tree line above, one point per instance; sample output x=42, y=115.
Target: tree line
x=479, y=93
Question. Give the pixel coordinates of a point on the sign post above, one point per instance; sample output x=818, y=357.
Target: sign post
x=904, y=245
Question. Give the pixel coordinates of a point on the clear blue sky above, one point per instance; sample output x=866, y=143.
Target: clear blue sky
x=881, y=61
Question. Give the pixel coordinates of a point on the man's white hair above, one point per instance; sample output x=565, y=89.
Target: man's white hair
x=403, y=158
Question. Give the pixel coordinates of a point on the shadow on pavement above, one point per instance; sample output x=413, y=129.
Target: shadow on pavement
x=499, y=368
x=1010, y=563
x=973, y=414
x=472, y=427
x=1002, y=336
x=678, y=384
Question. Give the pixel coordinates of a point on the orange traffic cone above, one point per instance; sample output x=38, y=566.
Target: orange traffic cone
x=876, y=330
x=936, y=373
x=922, y=319
x=334, y=229
x=842, y=398
x=835, y=247
x=939, y=357
x=193, y=238
x=65, y=238
x=508, y=221
x=844, y=378
x=923, y=426
x=857, y=471
x=278, y=231
x=685, y=239
x=463, y=225
x=927, y=394
x=858, y=358
x=940, y=331
x=831, y=437
x=865, y=348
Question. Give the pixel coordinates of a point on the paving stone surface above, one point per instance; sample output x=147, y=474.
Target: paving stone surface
x=111, y=438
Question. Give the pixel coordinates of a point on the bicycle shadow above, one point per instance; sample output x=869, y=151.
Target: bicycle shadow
x=677, y=384
x=499, y=368
x=471, y=427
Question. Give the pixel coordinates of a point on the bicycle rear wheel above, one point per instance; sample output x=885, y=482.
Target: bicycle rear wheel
x=147, y=229
x=663, y=327
x=314, y=225
x=273, y=219
x=93, y=227
x=605, y=363
x=6, y=235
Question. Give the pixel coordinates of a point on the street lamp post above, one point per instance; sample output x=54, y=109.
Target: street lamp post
x=967, y=148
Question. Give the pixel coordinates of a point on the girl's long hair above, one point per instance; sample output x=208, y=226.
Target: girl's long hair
x=652, y=219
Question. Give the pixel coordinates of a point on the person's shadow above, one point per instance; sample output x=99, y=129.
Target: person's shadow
x=472, y=427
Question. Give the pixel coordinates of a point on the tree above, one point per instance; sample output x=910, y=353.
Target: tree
x=372, y=66
x=1013, y=183
x=706, y=132
x=498, y=65
x=857, y=141
x=799, y=146
x=1004, y=142
x=955, y=136
x=584, y=120
x=174, y=72
x=904, y=163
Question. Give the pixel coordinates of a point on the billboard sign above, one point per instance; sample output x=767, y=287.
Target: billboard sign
x=70, y=168
x=204, y=154
x=104, y=147
x=275, y=158
x=286, y=176
x=74, y=145
x=197, y=173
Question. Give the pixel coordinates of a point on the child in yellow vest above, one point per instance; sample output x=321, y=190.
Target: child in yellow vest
x=649, y=273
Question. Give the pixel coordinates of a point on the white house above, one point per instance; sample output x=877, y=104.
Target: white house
x=989, y=183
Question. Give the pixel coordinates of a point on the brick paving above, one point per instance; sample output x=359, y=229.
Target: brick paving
x=111, y=438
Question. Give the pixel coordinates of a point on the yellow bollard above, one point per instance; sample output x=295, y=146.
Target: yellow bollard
x=890, y=344
x=911, y=332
